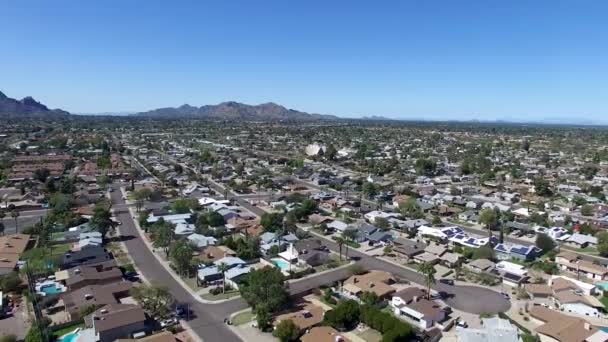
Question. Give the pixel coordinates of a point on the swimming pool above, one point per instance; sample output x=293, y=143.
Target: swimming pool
x=282, y=264
x=71, y=337
x=51, y=289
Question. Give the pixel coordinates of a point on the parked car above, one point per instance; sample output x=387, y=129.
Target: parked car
x=447, y=281
x=462, y=324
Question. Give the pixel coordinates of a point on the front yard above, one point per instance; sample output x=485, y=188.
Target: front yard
x=221, y=296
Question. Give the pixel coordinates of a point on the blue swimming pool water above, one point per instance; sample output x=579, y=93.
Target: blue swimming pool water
x=50, y=289
x=284, y=265
x=71, y=337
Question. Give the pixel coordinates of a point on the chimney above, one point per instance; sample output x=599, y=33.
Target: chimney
x=587, y=326
x=355, y=280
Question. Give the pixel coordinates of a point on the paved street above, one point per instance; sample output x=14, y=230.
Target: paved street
x=26, y=218
x=208, y=318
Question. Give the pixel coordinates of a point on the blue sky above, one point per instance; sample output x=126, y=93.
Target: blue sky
x=491, y=59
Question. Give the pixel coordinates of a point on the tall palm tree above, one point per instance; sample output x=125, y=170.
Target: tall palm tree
x=15, y=216
x=349, y=235
x=428, y=271
x=223, y=268
x=340, y=241
x=489, y=218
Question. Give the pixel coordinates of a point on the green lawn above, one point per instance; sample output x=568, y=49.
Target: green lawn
x=227, y=295
x=40, y=258
x=588, y=250
x=604, y=301
x=68, y=329
x=243, y=317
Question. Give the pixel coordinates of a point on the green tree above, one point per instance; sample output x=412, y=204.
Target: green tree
x=369, y=189
x=381, y=223
x=263, y=316
x=602, y=243
x=428, y=271
x=154, y=299
x=484, y=252
x=544, y=242
x=102, y=218
x=265, y=286
x=436, y=220
x=587, y=210
x=162, y=235
x=141, y=196
x=369, y=298
x=10, y=282
x=286, y=331
x=215, y=219
x=181, y=253
x=344, y=316
x=272, y=222
x=425, y=167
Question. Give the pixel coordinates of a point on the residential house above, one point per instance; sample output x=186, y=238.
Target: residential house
x=304, y=316
x=90, y=239
x=570, y=262
x=201, y=241
x=512, y=274
x=91, y=255
x=492, y=329
x=323, y=334
x=560, y=327
x=378, y=282
x=103, y=273
x=237, y=269
x=579, y=240
x=212, y=253
x=408, y=248
x=411, y=304
x=505, y=251
x=114, y=321
x=11, y=248
x=96, y=295
x=481, y=265
x=312, y=252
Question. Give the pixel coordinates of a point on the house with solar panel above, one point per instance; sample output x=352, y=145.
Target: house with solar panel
x=505, y=251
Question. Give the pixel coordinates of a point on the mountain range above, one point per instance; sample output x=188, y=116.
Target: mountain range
x=232, y=111
x=26, y=107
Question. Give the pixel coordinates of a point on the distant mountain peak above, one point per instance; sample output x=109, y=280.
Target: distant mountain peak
x=232, y=110
x=26, y=107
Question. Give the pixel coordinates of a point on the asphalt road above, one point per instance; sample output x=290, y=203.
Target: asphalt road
x=26, y=218
x=207, y=319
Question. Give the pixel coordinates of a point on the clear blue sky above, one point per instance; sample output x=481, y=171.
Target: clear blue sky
x=490, y=59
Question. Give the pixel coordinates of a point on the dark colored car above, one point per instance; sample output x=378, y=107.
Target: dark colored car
x=447, y=281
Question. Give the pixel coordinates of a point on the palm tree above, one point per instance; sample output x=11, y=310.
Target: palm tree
x=15, y=216
x=428, y=271
x=223, y=268
x=489, y=218
x=348, y=235
x=340, y=241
